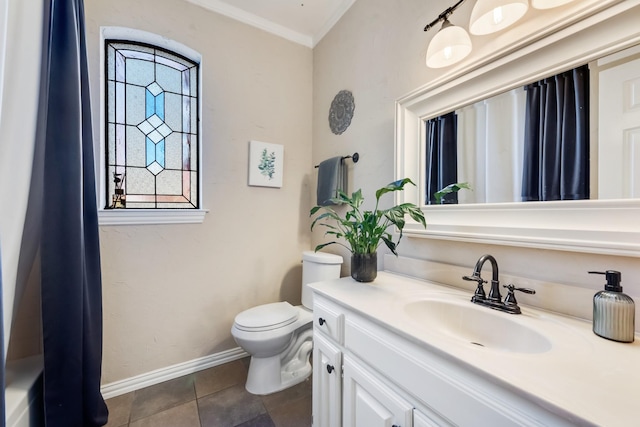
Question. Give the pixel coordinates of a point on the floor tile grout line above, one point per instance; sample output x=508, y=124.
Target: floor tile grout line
x=133, y=399
x=217, y=391
x=198, y=406
x=195, y=397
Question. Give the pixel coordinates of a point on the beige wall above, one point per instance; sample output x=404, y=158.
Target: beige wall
x=171, y=292
x=377, y=52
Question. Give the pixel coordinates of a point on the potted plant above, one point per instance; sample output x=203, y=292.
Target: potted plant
x=365, y=230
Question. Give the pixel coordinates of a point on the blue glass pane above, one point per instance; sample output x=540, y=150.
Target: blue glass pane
x=150, y=104
x=160, y=105
x=160, y=153
x=151, y=152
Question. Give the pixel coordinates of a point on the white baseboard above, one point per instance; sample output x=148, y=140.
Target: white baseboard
x=170, y=372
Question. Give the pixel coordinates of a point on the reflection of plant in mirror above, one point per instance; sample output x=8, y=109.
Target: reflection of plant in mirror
x=363, y=230
x=451, y=188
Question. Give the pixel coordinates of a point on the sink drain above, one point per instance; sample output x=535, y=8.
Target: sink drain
x=477, y=343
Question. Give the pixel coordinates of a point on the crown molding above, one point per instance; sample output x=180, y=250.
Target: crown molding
x=256, y=21
x=344, y=6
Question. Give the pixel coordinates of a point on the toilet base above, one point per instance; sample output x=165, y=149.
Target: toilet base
x=265, y=376
x=272, y=374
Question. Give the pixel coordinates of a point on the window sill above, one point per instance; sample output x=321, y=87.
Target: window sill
x=150, y=216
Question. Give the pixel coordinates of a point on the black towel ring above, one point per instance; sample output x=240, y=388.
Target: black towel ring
x=355, y=157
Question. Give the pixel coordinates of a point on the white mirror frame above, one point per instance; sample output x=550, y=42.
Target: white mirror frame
x=593, y=226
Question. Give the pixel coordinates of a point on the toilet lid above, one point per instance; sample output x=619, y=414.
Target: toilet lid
x=266, y=317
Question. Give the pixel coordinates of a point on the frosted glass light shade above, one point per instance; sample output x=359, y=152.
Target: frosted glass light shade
x=548, y=4
x=450, y=45
x=491, y=16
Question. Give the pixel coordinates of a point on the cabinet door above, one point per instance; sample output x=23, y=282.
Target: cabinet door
x=327, y=383
x=370, y=403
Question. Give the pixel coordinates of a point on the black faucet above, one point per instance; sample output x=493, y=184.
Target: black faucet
x=494, y=300
x=494, y=293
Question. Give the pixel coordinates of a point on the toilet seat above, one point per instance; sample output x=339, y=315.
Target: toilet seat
x=267, y=317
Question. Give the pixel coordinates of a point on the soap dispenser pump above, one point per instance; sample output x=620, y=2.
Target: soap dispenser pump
x=613, y=311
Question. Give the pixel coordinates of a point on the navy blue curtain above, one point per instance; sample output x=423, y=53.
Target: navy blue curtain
x=556, y=146
x=442, y=157
x=69, y=246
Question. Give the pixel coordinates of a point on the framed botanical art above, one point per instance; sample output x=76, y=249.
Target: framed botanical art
x=266, y=164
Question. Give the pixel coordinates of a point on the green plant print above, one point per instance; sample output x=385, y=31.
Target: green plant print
x=267, y=164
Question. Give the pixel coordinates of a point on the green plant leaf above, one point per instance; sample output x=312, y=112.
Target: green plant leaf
x=394, y=186
x=392, y=246
x=451, y=188
x=417, y=215
x=324, y=245
x=329, y=214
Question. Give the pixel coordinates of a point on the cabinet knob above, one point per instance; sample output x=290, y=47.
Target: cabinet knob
x=321, y=321
x=330, y=368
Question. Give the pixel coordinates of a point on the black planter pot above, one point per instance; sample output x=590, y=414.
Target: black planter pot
x=364, y=267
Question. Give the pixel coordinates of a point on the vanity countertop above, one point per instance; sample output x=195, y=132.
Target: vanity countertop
x=586, y=378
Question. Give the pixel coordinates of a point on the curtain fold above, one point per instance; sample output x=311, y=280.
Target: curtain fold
x=441, y=161
x=69, y=246
x=556, y=146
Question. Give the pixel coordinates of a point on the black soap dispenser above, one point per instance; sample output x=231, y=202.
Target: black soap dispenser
x=613, y=311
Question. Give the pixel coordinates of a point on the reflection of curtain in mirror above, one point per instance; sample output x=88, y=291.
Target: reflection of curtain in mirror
x=556, y=157
x=441, y=158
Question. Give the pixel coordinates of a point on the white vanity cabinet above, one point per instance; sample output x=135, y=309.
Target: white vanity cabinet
x=366, y=374
x=369, y=402
x=328, y=332
x=345, y=391
x=327, y=383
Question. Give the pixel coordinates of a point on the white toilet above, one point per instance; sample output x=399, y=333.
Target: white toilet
x=278, y=335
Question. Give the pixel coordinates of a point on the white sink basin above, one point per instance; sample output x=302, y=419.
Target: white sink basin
x=476, y=325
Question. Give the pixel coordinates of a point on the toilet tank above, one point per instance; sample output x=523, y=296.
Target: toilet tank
x=317, y=266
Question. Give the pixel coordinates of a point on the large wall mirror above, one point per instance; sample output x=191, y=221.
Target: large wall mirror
x=488, y=97
x=506, y=155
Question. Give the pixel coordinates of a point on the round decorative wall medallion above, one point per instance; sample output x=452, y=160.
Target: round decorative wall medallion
x=341, y=112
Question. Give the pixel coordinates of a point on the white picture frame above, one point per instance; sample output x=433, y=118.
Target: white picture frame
x=266, y=164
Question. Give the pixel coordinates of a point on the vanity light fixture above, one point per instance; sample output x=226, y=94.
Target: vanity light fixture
x=491, y=16
x=548, y=4
x=451, y=44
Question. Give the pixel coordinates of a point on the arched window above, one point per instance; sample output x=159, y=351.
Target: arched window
x=151, y=125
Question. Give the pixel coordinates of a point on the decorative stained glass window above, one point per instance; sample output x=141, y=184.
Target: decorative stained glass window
x=151, y=128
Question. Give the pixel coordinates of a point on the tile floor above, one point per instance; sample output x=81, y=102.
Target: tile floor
x=211, y=398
